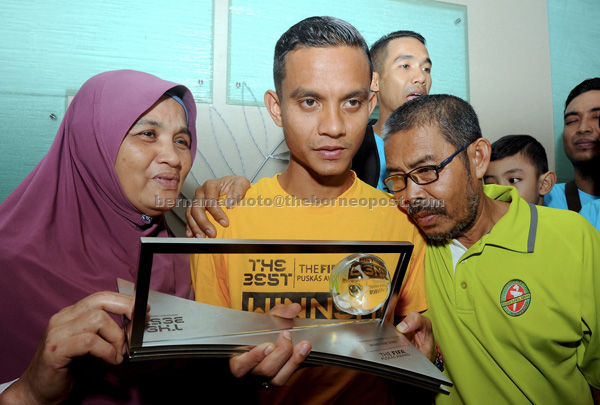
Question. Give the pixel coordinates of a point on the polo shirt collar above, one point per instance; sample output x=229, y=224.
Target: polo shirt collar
x=517, y=229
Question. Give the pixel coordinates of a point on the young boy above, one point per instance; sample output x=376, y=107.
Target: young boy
x=520, y=161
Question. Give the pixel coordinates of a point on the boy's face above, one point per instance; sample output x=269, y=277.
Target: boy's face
x=516, y=171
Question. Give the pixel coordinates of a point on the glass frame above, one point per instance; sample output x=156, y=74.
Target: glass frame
x=436, y=169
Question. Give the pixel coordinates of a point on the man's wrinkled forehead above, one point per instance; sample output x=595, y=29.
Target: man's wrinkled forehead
x=414, y=147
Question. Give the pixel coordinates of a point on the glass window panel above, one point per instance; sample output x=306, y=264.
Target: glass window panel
x=55, y=46
x=256, y=25
x=50, y=48
x=27, y=136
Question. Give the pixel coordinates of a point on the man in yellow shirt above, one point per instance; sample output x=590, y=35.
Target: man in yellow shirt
x=322, y=73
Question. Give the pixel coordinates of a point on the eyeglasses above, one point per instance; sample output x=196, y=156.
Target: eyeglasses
x=421, y=175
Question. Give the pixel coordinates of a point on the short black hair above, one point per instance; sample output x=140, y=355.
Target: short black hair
x=583, y=87
x=454, y=117
x=511, y=145
x=379, y=48
x=316, y=32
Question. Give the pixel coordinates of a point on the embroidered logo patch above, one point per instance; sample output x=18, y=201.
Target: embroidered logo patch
x=515, y=298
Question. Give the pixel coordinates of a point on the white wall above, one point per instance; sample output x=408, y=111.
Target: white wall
x=509, y=63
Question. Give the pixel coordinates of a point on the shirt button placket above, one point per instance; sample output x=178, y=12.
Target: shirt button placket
x=462, y=294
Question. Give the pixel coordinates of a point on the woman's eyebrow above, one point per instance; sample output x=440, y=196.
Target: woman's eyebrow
x=145, y=121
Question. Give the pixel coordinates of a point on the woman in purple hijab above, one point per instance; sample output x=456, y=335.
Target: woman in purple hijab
x=73, y=226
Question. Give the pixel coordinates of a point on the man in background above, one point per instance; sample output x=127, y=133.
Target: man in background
x=581, y=142
x=402, y=72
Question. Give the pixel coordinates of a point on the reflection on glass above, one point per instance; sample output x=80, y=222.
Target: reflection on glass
x=360, y=284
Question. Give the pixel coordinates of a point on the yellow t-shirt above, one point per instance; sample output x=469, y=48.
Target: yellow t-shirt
x=258, y=282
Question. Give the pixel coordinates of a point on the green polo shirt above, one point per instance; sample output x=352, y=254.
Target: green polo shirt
x=518, y=320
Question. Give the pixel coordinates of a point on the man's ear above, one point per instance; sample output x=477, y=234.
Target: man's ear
x=274, y=107
x=372, y=102
x=545, y=182
x=375, y=82
x=481, y=152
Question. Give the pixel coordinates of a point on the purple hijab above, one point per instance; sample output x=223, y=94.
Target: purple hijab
x=68, y=230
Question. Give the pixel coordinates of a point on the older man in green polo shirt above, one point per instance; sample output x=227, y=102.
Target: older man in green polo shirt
x=513, y=290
